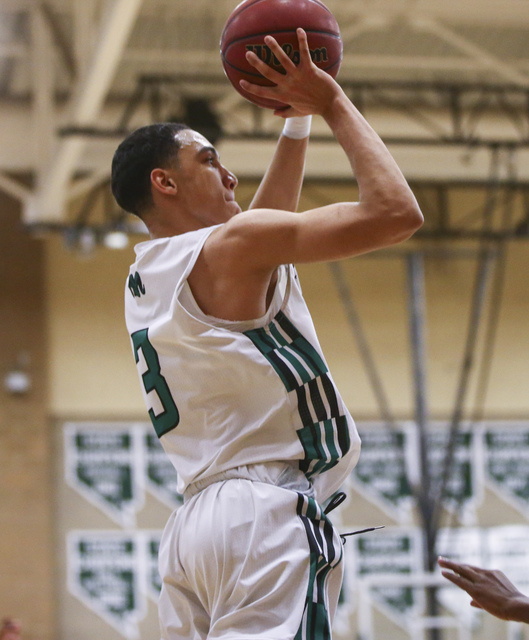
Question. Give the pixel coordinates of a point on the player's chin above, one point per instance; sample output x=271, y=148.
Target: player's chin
x=234, y=208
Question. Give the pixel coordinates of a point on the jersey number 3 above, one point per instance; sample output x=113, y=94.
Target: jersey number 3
x=153, y=380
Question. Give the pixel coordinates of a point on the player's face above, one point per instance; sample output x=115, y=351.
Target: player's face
x=205, y=187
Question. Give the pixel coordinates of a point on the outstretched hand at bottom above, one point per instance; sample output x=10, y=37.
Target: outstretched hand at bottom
x=10, y=629
x=490, y=590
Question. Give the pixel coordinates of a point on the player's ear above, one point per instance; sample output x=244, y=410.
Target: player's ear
x=162, y=182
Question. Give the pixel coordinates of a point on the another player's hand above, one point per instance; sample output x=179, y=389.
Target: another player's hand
x=489, y=590
x=304, y=87
x=10, y=629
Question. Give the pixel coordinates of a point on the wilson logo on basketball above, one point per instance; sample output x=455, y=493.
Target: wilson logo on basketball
x=266, y=55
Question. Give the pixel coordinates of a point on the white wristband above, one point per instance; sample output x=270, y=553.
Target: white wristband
x=297, y=128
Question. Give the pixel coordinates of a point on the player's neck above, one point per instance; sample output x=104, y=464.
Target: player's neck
x=165, y=224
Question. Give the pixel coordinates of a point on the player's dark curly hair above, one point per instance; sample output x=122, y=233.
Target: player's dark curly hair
x=150, y=147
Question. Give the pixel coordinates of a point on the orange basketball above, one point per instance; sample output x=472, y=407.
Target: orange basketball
x=252, y=20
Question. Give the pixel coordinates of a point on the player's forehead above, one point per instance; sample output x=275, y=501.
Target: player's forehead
x=191, y=142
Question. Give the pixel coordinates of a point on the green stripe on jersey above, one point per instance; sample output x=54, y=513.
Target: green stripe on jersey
x=319, y=443
x=310, y=353
x=324, y=434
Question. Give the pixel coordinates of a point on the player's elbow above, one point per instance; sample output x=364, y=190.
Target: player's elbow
x=411, y=219
x=404, y=218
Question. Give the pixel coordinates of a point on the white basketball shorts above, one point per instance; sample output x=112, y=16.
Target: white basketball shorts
x=243, y=560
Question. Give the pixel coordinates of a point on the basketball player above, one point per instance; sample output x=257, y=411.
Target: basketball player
x=490, y=590
x=233, y=375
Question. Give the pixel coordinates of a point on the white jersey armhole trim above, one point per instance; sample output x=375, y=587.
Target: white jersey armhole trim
x=279, y=300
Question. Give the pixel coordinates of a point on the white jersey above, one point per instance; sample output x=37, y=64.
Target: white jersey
x=225, y=394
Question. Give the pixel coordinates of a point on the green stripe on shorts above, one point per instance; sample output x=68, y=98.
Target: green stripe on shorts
x=324, y=556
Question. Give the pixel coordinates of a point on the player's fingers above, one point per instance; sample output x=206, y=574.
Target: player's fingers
x=443, y=562
x=264, y=69
x=476, y=605
x=257, y=90
x=280, y=54
x=465, y=570
x=304, y=50
x=456, y=579
x=454, y=567
x=468, y=572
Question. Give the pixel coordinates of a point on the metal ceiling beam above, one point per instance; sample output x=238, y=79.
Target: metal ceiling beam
x=482, y=56
x=175, y=62
x=357, y=28
x=84, y=21
x=364, y=349
x=425, y=113
x=43, y=76
x=87, y=100
x=14, y=189
x=13, y=50
x=59, y=38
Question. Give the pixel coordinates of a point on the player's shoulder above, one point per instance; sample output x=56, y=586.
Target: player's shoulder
x=254, y=223
x=170, y=247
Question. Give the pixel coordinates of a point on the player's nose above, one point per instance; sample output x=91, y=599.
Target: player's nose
x=229, y=179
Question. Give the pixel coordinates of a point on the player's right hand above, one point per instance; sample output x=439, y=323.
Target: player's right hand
x=304, y=87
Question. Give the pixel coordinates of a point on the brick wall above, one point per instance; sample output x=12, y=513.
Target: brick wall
x=26, y=502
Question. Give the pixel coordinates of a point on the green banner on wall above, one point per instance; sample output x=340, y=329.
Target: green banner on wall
x=463, y=491
x=151, y=545
x=391, y=552
x=507, y=464
x=104, y=572
x=160, y=474
x=380, y=474
x=101, y=463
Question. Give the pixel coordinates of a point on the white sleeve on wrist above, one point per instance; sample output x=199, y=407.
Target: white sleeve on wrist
x=297, y=128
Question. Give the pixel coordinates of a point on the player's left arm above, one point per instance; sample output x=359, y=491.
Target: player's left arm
x=281, y=185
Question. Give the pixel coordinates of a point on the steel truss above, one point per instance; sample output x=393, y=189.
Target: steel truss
x=438, y=114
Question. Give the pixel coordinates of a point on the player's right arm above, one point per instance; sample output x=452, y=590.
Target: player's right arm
x=387, y=211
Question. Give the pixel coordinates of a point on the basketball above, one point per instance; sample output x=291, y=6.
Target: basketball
x=252, y=20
